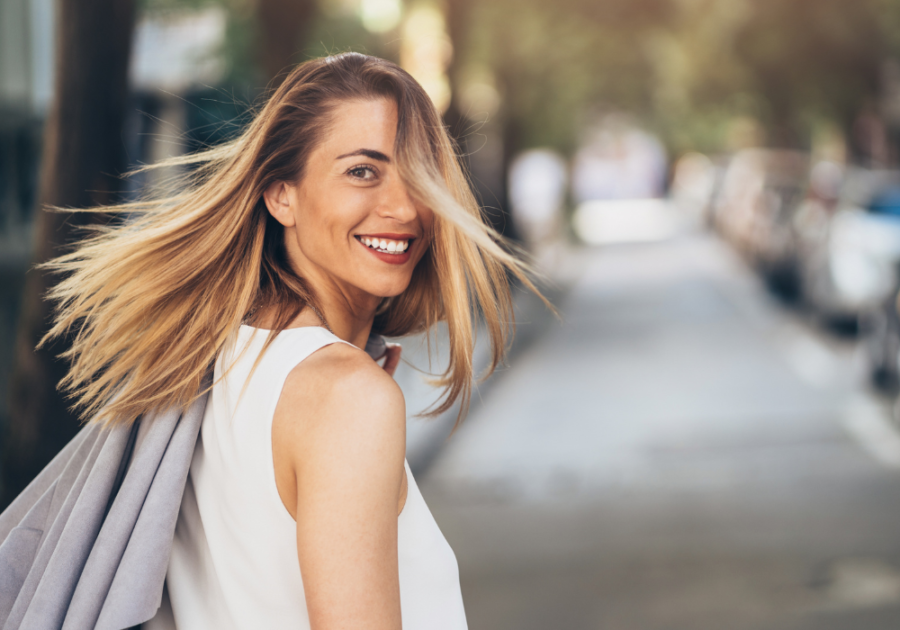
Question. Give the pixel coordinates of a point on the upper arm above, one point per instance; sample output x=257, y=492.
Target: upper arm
x=339, y=436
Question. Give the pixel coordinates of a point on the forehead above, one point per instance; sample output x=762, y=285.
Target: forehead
x=361, y=124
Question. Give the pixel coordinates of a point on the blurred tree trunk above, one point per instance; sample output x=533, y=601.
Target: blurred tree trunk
x=508, y=130
x=283, y=25
x=83, y=153
x=458, y=14
x=488, y=175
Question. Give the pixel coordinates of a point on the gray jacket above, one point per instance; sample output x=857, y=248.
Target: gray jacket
x=87, y=543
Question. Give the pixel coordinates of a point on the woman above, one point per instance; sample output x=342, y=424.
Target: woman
x=339, y=213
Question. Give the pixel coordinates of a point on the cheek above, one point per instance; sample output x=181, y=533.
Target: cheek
x=325, y=223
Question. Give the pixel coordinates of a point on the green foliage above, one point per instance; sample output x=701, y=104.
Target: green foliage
x=686, y=68
x=785, y=64
x=335, y=33
x=556, y=63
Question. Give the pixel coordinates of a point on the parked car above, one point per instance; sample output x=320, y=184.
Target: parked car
x=881, y=342
x=773, y=244
x=849, y=254
x=762, y=188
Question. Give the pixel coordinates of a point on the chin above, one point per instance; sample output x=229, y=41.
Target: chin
x=388, y=289
x=388, y=293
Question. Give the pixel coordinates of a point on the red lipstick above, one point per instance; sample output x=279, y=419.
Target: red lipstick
x=391, y=259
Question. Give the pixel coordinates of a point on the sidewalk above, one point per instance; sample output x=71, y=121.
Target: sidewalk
x=665, y=458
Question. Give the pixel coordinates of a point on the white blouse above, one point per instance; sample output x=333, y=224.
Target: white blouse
x=234, y=558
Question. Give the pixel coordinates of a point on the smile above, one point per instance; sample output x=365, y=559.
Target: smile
x=384, y=245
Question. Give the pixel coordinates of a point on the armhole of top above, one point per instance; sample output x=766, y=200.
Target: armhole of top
x=409, y=482
x=325, y=339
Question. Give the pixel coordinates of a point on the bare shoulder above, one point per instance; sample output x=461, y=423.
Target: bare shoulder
x=339, y=407
x=341, y=376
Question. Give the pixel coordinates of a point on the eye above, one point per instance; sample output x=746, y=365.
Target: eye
x=363, y=172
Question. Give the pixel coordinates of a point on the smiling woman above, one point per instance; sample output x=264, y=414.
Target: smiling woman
x=363, y=214
x=340, y=214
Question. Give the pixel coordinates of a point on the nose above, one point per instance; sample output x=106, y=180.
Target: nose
x=396, y=203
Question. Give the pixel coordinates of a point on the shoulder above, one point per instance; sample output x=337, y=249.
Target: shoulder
x=341, y=374
x=339, y=399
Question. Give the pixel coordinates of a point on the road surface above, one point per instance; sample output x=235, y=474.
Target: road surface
x=679, y=452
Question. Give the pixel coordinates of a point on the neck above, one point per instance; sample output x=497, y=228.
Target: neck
x=348, y=317
x=351, y=325
x=348, y=311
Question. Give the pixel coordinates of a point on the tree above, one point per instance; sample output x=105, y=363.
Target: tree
x=283, y=23
x=458, y=15
x=812, y=58
x=83, y=154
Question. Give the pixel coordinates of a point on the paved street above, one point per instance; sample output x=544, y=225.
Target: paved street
x=679, y=452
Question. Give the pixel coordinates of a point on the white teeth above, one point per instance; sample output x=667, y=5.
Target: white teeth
x=384, y=245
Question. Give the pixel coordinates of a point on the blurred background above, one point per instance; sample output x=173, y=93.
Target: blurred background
x=708, y=435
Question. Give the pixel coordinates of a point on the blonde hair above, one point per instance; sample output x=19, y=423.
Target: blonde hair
x=151, y=299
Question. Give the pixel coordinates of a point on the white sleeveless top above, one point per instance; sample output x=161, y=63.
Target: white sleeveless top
x=234, y=558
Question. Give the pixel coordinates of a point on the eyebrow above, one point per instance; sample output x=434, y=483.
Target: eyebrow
x=369, y=153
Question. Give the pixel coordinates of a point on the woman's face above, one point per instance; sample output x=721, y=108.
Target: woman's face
x=350, y=223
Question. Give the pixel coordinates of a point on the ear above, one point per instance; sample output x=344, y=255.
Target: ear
x=278, y=201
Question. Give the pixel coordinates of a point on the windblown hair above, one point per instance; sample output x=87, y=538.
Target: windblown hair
x=150, y=300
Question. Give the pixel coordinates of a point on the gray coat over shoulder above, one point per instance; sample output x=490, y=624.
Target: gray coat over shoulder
x=87, y=544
